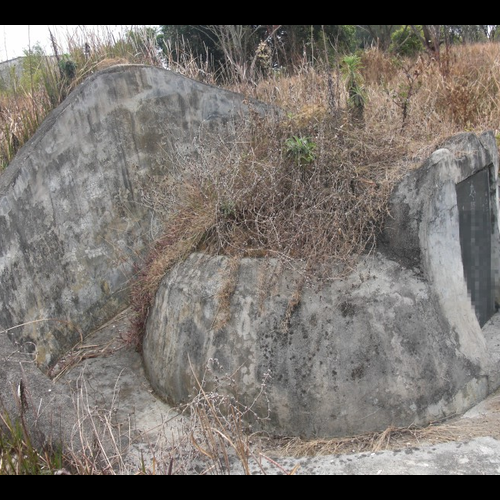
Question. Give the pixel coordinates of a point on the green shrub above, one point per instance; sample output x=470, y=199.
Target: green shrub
x=352, y=66
x=405, y=42
x=301, y=149
x=68, y=67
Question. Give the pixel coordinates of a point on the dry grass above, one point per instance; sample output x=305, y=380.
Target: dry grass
x=219, y=429
x=459, y=93
x=224, y=295
x=392, y=439
x=84, y=351
x=182, y=235
x=20, y=117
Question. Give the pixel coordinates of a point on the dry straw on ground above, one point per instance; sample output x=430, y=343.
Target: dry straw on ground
x=454, y=430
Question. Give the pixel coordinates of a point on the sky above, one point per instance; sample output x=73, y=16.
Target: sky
x=15, y=38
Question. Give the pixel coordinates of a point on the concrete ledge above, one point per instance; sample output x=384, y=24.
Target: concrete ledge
x=479, y=457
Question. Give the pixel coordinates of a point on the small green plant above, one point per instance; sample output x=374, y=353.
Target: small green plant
x=18, y=455
x=352, y=66
x=227, y=209
x=301, y=149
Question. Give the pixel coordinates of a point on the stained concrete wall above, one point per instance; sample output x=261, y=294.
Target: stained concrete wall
x=394, y=344
x=72, y=222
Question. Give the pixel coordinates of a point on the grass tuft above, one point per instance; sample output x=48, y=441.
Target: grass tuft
x=19, y=456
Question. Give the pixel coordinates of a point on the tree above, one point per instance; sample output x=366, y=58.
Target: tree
x=32, y=74
x=238, y=43
x=491, y=31
x=298, y=37
x=194, y=37
x=237, y=49
x=465, y=33
x=405, y=42
x=431, y=37
x=379, y=34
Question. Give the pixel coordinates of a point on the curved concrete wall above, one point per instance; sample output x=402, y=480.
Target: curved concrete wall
x=71, y=220
x=396, y=343
x=424, y=229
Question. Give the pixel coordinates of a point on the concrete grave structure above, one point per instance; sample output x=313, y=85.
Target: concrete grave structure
x=411, y=336
x=399, y=342
x=9, y=71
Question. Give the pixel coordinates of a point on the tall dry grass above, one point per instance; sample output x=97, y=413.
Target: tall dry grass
x=459, y=93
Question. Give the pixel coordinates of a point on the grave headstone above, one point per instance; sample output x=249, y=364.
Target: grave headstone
x=473, y=196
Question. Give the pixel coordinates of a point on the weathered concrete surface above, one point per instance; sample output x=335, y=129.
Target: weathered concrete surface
x=479, y=457
x=101, y=393
x=360, y=355
x=491, y=332
x=72, y=222
x=108, y=385
x=394, y=344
